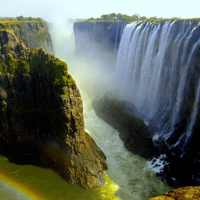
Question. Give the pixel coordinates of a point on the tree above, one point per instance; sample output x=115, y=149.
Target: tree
x=105, y=17
x=113, y=16
x=143, y=18
x=20, y=18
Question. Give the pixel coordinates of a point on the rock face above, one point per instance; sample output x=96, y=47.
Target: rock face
x=33, y=34
x=41, y=115
x=185, y=193
x=98, y=36
x=122, y=116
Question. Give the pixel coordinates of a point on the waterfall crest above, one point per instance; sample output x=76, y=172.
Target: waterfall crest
x=157, y=70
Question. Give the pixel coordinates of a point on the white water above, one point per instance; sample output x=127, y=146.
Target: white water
x=120, y=28
x=155, y=71
x=130, y=172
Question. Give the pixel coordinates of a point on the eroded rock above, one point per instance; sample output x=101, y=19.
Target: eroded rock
x=133, y=131
x=41, y=115
x=184, y=193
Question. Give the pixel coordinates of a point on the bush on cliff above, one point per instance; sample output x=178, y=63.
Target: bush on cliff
x=21, y=18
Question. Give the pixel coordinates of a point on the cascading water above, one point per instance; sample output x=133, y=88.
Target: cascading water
x=120, y=28
x=116, y=37
x=156, y=71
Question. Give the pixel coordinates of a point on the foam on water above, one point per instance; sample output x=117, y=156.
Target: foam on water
x=157, y=164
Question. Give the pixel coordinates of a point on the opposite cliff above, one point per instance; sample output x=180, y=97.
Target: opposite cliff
x=41, y=113
x=95, y=37
x=32, y=33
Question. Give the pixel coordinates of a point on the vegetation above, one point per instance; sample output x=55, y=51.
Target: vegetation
x=33, y=82
x=38, y=61
x=20, y=19
x=5, y=29
x=113, y=17
x=7, y=19
x=6, y=23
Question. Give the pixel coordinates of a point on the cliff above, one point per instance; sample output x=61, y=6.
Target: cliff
x=33, y=34
x=93, y=36
x=41, y=113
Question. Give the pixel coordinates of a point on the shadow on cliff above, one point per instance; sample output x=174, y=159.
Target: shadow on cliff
x=22, y=154
x=122, y=116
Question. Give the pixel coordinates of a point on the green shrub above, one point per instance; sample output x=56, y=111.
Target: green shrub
x=3, y=68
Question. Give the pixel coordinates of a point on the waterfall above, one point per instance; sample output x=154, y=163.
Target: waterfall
x=94, y=31
x=156, y=71
x=118, y=35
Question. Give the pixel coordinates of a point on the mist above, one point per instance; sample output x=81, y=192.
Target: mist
x=91, y=69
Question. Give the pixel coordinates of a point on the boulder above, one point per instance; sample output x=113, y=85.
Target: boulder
x=122, y=116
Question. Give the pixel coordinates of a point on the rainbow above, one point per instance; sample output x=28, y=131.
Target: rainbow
x=20, y=186
x=106, y=191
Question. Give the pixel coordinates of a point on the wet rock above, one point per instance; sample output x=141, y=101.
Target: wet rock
x=185, y=193
x=133, y=131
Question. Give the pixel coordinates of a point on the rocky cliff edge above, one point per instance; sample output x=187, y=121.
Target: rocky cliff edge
x=41, y=114
x=32, y=33
x=185, y=193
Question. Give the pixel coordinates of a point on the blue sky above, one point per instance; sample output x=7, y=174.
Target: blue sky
x=51, y=9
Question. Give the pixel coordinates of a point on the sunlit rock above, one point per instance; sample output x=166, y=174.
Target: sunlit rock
x=186, y=193
x=41, y=114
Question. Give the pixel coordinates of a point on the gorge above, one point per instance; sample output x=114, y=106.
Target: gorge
x=157, y=69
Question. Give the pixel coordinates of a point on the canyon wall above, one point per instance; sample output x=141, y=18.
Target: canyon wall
x=33, y=34
x=93, y=37
x=41, y=111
